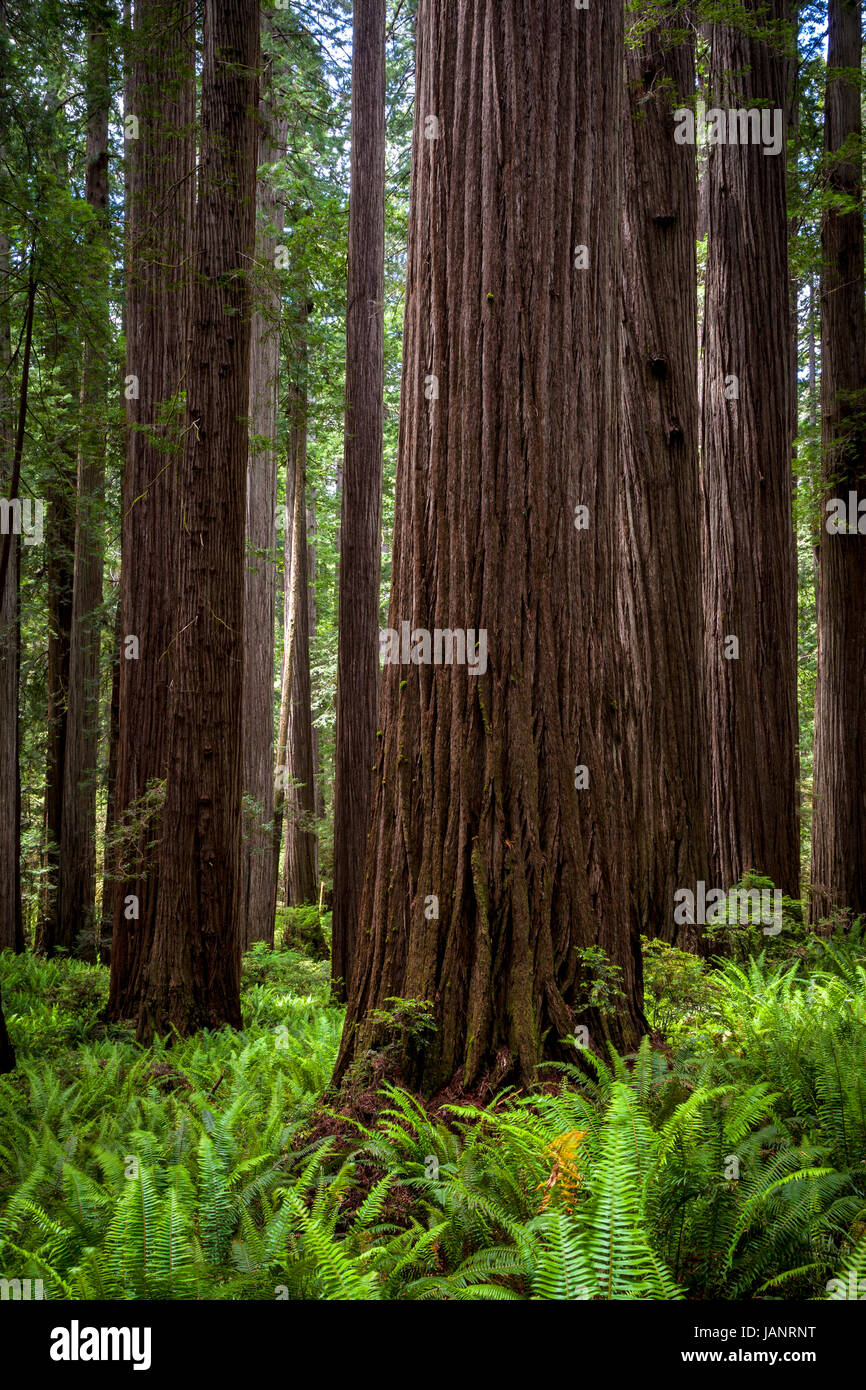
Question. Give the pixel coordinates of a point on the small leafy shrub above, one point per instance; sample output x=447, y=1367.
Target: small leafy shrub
x=678, y=989
x=304, y=929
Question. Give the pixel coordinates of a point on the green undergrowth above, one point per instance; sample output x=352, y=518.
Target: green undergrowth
x=727, y=1159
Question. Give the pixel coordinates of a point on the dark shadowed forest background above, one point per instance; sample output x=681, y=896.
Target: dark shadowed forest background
x=432, y=650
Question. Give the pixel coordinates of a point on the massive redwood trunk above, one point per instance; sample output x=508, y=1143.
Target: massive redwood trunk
x=161, y=174
x=750, y=598
x=77, y=872
x=660, y=564
x=192, y=974
x=497, y=848
x=361, y=507
x=839, y=797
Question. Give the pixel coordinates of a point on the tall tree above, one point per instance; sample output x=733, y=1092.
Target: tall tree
x=192, y=975
x=297, y=407
x=361, y=514
x=258, y=910
x=497, y=842
x=750, y=599
x=660, y=567
x=838, y=870
x=299, y=861
x=64, y=356
x=109, y=871
x=11, y=925
x=77, y=869
x=161, y=158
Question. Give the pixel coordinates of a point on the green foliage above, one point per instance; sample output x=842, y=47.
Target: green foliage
x=304, y=929
x=677, y=988
x=730, y=1167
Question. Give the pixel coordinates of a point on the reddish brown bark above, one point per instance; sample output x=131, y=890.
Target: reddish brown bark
x=749, y=575
x=160, y=201
x=361, y=505
x=660, y=564
x=192, y=974
x=258, y=909
x=299, y=860
x=476, y=813
x=11, y=926
x=77, y=869
x=297, y=421
x=838, y=870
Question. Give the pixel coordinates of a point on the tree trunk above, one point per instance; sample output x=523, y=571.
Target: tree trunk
x=258, y=869
x=11, y=925
x=660, y=562
x=109, y=872
x=839, y=809
x=297, y=422
x=60, y=547
x=361, y=506
x=161, y=175
x=750, y=599
x=299, y=862
x=192, y=975
x=312, y=564
x=77, y=874
x=491, y=861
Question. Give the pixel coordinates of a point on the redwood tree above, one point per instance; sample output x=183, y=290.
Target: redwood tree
x=497, y=847
x=261, y=503
x=11, y=926
x=361, y=507
x=192, y=973
x=839, y=799
x=299, y=862
x=77, y=872
x=659, y=501
x=160, y=174
x=750, y=597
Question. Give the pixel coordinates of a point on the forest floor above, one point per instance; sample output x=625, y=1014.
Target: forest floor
x=726, y=1160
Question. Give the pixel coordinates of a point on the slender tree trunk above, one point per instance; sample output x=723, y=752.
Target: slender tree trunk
x=361, y=506
x=750, y=599
x=258, y=870
x=109, y=875
x=297, y=417
x=839, y=816
x=60, y=557
x=160, y=204
x=312, y=566
x=300, y=862
x=192, y=976
x=77, y=874
x=660, y=561
x=813, y=366
x=497, y=849
x=11, y=925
